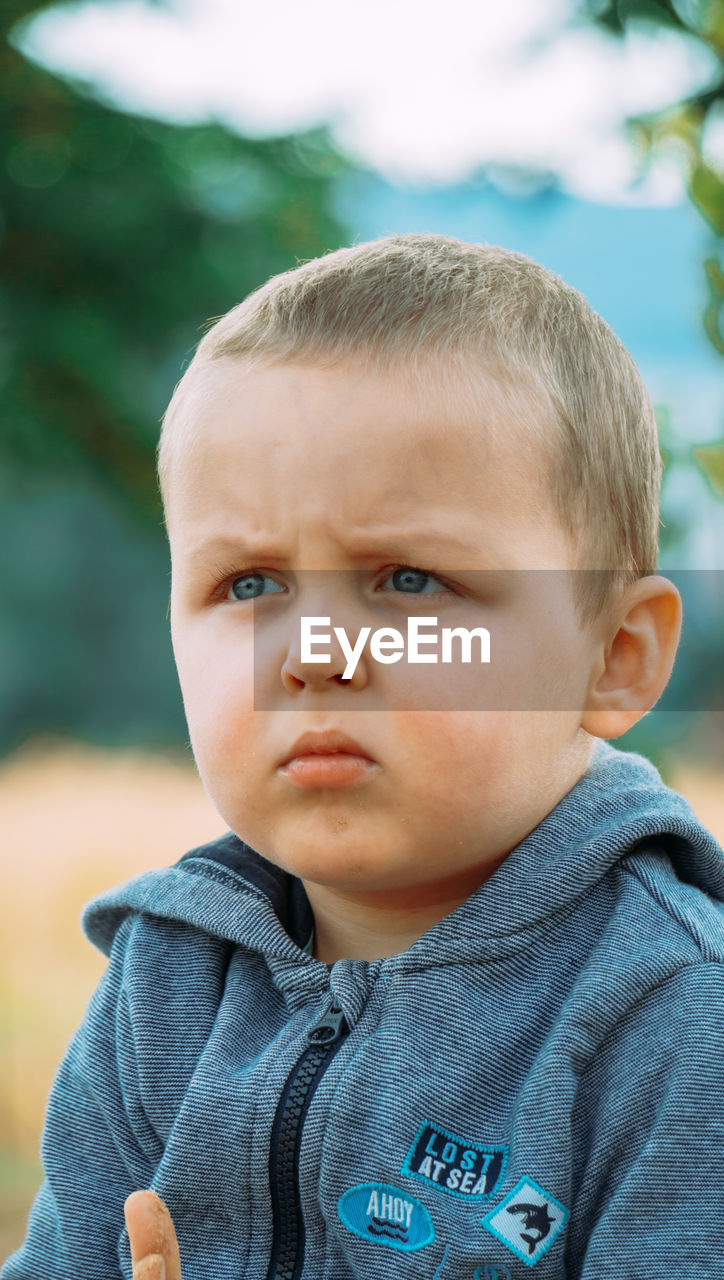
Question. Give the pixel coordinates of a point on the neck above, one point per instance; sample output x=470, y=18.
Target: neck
x=374, y=925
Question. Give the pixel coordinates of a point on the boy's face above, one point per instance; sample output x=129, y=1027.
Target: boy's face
x=301, y=468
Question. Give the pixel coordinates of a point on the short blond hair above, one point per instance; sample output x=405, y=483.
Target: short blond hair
x=404, y=300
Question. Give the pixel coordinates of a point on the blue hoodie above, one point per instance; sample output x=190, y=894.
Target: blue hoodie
x=535, y=1084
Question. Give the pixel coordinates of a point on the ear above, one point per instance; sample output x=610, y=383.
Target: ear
x=635, y=658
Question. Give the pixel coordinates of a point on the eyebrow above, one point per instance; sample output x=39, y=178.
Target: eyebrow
x=225, y=545
x=369, y=545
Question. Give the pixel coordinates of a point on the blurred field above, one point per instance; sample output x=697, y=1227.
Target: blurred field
x=76, y=820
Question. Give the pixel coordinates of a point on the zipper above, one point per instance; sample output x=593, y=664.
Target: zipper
x=324, y=1038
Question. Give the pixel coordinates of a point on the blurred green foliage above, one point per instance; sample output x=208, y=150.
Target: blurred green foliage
x=119, y=237
x=681, y=125
x=681, y=129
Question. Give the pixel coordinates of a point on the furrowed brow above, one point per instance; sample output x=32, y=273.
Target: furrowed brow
x=368, y=544
x=244, y=547
x=414, y=543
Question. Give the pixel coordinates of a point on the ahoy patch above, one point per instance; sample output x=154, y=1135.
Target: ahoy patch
x=376, y=1211
x=527, y=1220
x=469, y=1170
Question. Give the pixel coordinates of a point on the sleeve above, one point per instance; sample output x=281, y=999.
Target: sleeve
x=95, y=1149
x=652, y=1192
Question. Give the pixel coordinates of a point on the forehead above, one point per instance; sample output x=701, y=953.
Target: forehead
x=351, y=444
x=449, y=408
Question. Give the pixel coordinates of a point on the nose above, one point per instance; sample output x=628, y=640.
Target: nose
x=323, y=595
x=299, y=671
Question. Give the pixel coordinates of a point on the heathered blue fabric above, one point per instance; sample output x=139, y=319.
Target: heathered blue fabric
x=570, y=1012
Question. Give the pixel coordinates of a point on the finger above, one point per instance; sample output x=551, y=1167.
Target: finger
x=152, y=1267
x=152, y=1237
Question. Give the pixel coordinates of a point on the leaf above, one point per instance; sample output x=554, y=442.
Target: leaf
x=715, y=303
x=710, y=459
x=707, y=191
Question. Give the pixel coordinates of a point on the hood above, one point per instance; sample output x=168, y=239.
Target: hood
x=619, y=810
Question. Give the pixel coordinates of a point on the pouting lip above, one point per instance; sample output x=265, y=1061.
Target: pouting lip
x=327, y=743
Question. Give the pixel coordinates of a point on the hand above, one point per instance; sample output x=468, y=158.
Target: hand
x=151, y=1233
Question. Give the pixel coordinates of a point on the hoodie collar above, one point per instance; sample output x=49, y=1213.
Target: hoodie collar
x=620, y=803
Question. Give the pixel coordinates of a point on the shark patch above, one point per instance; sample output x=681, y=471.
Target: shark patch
x=527, y=1220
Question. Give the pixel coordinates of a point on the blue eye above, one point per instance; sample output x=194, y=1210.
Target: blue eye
x=413, y=581
x=250, y=585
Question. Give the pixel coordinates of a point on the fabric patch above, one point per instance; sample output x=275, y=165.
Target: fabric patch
x=376, y=1211
x=469, y=1170
x=527, y=1220
x=492, y=1271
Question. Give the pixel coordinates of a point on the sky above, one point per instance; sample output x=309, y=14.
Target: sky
x=419, y=90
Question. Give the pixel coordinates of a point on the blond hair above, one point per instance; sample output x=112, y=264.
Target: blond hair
x=404, y=300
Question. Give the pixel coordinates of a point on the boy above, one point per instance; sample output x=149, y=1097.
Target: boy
x=447, y=999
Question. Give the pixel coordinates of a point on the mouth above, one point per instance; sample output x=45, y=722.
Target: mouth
x=331, y=742
x=329, y=759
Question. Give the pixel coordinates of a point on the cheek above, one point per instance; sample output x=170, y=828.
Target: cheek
x=494, y=774
x=456, y=748
x=222, y=734
x=216, y=678
x=472, y=756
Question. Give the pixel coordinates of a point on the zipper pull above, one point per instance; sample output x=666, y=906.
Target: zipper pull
x=330, y=1026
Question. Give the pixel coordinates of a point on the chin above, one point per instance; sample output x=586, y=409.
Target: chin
x=334, y=861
